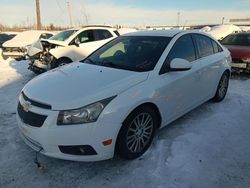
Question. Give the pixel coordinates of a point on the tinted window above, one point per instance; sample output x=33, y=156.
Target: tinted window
x=240, y=39
x=117, y=33
x=86, y=36
x=216, y=47
x=102, y=34
x=183, y=49
x=130, y=53
x=204, y=45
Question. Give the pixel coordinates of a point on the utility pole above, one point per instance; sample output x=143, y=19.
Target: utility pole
x=38, y=16
x=223, y=20
x=70, y=15
x=178, y=19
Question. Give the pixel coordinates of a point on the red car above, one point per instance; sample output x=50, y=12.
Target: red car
x=239, y=46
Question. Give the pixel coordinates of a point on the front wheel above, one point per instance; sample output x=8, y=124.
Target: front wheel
x=137, y=133
x=222, y=88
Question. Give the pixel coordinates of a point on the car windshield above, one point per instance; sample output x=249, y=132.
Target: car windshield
x=64, y=35
x=240, y=40
x=134, y=53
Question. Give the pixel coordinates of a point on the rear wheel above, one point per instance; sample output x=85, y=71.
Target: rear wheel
x=137, y=133
x=222, y=88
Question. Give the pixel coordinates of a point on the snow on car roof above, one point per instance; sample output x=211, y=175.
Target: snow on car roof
x=221, y=31
x=25, y=38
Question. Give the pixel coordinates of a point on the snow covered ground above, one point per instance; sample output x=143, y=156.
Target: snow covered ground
x=209, y=147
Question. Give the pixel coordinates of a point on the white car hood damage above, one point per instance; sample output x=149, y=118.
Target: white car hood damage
x=79, y=84
x=37, y=47
x=23, y=39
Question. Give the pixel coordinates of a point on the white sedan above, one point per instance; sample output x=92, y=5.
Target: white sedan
x=114, y=100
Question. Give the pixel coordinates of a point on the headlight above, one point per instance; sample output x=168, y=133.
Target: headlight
x=87, y=114
x=246, y=60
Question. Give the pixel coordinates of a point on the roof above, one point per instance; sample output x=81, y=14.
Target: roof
x=160, y=33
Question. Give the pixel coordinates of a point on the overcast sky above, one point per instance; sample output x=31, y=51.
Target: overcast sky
x=124, y=12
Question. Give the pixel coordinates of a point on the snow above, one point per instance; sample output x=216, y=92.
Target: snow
x=24, y=38
x=208, y=147
x=221, y=31
x=206, y=29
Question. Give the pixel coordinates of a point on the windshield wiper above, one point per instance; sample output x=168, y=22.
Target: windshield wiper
x=113, y=65
x=90, y=60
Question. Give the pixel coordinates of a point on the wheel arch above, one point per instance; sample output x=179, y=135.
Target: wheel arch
x=151, y=105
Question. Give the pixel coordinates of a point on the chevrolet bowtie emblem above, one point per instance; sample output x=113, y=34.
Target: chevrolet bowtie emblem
x=26, y=106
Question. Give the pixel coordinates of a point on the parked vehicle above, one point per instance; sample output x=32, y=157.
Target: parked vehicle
x=18, y=46
x=221, y=31
x=239, y=46
x=114, y=100
x=68, y=46
x=4, y=37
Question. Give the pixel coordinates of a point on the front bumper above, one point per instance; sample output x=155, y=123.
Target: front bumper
x=50, y=136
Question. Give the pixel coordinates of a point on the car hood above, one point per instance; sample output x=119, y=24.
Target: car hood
x=239, y=51
x=79, y=84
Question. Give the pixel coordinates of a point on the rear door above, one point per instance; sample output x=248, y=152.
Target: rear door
x=209, y=58
x=98, y=38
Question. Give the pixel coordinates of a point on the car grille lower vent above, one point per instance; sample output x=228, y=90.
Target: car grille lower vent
x=30, y=118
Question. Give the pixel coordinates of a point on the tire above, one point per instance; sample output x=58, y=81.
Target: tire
x=222, y=88
x=60, y=62
x=134, y=140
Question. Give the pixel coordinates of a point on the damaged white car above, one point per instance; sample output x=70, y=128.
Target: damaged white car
x=68, y=46
x=18, y=46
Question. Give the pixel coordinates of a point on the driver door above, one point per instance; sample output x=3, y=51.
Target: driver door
x=179, y=89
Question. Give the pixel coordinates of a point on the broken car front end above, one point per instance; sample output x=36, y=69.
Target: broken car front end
x=40, y=57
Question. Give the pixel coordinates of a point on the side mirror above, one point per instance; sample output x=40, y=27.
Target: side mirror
x=180, y=65
x=77, y=42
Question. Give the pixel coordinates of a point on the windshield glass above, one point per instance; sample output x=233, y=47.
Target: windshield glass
x=135, y=53
x=241, y=40
x=64, y=35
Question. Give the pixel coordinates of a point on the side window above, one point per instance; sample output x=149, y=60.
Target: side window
x=216, y=47
x=204, y=45
x=102, y=34
x=86, y=36
x=183, y=49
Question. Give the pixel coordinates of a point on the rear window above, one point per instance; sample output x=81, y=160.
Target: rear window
x=102, y=34
x=241, y=40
